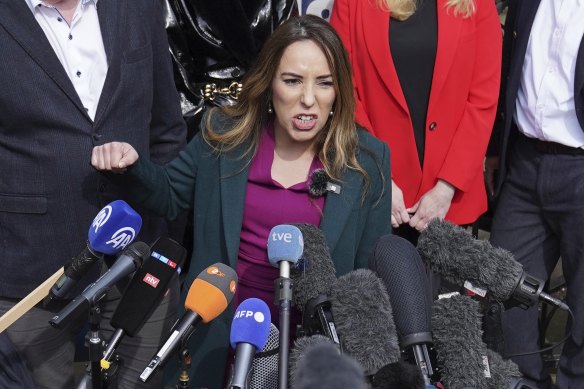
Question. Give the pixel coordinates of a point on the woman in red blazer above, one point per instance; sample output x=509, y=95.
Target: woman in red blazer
x=426, y=78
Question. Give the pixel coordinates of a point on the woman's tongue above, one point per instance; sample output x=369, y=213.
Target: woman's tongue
x=305, y=122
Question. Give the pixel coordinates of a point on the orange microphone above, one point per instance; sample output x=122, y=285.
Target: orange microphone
x=209, y=295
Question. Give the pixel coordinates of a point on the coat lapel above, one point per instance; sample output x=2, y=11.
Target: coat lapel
x=523, y=24
x=376, y=28
x=338, y=207
x=448, y=36
x=108, y=12
x=234, y=172
x=19, y=22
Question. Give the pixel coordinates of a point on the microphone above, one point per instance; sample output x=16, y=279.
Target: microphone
x=397, y=262
x=298, y=352
x=460, y=351
x=320, y=184
x=325, y=368
x=265, y=364
x=209, y=295
x=128, y=261
x=400, y=375
x=249, y=333
x=313, y=278
x=364, y=320
x=480, y=267
x=144, y=292
x=285, y=247
x=112, y=229
x=504, y=372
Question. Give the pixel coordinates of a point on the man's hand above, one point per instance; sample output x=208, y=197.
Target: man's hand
x=115, y=157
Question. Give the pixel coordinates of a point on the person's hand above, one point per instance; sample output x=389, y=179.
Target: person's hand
x=115, y=157
x=491, y=166
x=433, y=204
x=399, y=215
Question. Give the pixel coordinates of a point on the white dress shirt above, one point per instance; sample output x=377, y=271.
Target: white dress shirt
x=545, y=102
x=79, y=47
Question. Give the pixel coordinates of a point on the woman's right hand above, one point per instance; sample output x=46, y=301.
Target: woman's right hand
x=114, y=156
x=399, y=215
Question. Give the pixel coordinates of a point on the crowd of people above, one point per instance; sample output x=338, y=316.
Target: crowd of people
x=403, y=104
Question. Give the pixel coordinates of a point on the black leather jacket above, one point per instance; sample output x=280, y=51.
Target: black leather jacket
x=214, y=42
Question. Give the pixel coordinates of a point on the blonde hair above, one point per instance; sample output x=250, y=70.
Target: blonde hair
x=403, y=9
x=337, y=142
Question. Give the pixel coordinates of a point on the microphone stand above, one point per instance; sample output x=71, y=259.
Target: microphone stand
x=185, y=365
x=95, y=347
x=283, y=298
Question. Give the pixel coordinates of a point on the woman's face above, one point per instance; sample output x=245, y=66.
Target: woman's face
x=302, y=93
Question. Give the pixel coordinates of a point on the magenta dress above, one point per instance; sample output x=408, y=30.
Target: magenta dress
x=267, y=204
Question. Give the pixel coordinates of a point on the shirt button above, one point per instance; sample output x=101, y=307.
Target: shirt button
x=432, y=126
x=70, y=36
x=78, y=73
x=96, y=137
x=59, y=19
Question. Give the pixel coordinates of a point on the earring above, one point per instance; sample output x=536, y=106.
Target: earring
x=331, y=113
x=270, y=110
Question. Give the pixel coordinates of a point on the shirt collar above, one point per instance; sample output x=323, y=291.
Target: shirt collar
x=32, y=4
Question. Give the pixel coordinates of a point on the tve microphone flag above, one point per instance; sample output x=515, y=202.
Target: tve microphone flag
x=249, y=333
x=285, y=247
x=145, y=291
x=112, y=229
x=209, y=295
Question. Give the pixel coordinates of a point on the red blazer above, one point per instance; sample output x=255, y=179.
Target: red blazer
x=462, y=104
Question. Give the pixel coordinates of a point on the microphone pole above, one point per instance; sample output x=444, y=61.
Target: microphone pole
x=283, y=299
x=285, y=246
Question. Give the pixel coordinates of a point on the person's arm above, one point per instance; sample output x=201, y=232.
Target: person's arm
x=342, y=20
x=378, y=216
x=168, y=131
x=467, y=150
x=164, y=190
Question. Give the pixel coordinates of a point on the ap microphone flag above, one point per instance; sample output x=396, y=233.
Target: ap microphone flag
x=112, y=229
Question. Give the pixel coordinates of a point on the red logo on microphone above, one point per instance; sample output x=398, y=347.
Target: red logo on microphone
x=151, y=280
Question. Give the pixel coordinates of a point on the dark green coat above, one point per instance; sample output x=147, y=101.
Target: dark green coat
x=214, y=188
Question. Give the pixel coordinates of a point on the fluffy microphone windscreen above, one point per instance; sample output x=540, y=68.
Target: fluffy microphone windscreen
x=397, y=262
x=251, y=324
x=148, y=286
x=265, y=363
x=298, y=352
x=318, y=183
x=364, y=320
x=325, y=368
x=400, y=375
x=503, y=371
x=457, y=256
x=212, y=291
x=314, y=274
x=460, y=351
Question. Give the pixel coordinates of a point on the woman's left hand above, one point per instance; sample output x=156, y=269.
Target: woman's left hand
x=433, y=204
